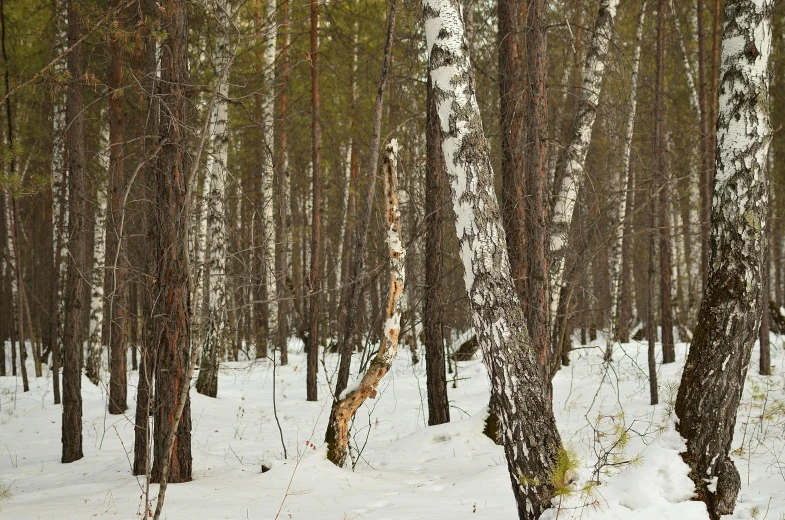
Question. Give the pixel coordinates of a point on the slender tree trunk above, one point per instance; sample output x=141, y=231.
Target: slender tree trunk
x=77, y=207
x=283, y=192
x=59, y=197
x=706, y=151
x=118, y=319
x=536, y=283
x=512, y=104
x=173, y=280
x=520, y=399
x=729, y=317
x=569, y=174
x=315, y=285
x=217, y=219
x=666, y=309
x=355, y=281
x=95, y=337
x=763, y=335
x=433, y=315
x=147, y=350
x=351, y=398
x=621, y=248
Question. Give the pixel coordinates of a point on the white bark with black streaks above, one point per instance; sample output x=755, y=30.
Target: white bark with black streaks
x=518, y=393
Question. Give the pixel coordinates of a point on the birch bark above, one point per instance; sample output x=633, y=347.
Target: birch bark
x=520, y=398
x=729, y=316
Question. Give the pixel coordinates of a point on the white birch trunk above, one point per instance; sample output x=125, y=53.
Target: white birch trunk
x=729, y=317
x=216, y=233
x=569, y=174
x=622, y=209
x=519, y=394
x=59, y=184
x=268, y=173
x=94, y=344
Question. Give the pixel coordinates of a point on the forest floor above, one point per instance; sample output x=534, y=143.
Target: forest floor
x=404, y=470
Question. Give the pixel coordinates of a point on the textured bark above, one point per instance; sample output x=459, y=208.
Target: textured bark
x=521, y=401
x=569, y=170
x=217, y=219
x=59, y=198
x=77, y=243
x=354, y=280
x=728, y=320
x=512, y=103
x=666, y=307
x=351, y=398
x=118, y=320
x=173, y=284
x=436, y=201
x=314, y=279
x=535, y=283
x=621, y=248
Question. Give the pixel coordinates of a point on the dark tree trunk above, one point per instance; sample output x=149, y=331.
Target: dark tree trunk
x=149, y=116
x=282, y=188
x=77, y=226
x=316, y=222
x=173, y=298
x=729, y=317
x=535, y=282
x=433, y=314
x=705, y=173
x=666, y=306
x=116, y=253
x=512, y=102
x=765, y=353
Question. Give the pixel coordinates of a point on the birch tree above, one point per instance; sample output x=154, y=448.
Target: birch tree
x=569, y=174
x=729, y=316
x=216, y=236
x=626, y=179
x=95, y=338
x=518, y=395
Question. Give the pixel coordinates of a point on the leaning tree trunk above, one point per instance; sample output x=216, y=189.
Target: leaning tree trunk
x=351, y=398
x=354, y=280
x=729, y=316
x=215, y=271
x=569, y=171
x=77, y=243
x=433, y=308
x=522, y=405
x=172, y=462
x=565, y=245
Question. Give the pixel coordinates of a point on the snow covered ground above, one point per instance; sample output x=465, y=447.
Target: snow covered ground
x=405, y=470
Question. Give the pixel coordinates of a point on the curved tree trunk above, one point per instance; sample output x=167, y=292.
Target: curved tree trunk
x=519, y=396
x=351, y=398
x=713, y=378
